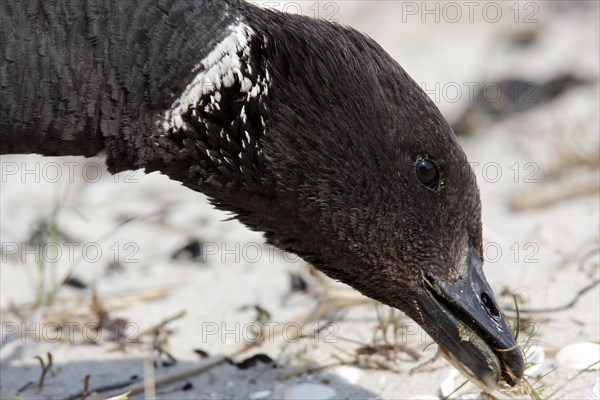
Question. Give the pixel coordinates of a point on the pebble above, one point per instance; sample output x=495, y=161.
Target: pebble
x=309, y=391
x=579, y=356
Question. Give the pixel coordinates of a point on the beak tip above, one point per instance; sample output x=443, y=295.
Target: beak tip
x=463, y=318
x=514, y=366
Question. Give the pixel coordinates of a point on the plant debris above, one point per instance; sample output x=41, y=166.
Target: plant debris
x=253, y=361
x=191, y=251
x=45, y=368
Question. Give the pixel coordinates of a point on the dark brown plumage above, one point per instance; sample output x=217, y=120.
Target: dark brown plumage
x=305, y=130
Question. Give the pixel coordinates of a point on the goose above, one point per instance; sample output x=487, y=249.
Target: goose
x=303, y=129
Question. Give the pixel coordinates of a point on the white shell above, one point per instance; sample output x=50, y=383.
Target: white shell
x=309, y=391
x=535, y=356
x=579, y=356
x=348, y=374
x=263, y=394
x=455, y=379
x=449, y=383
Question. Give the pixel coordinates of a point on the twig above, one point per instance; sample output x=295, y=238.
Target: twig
x=161, y=346
x=45, y=368
x=551, y=194
x=86, y=385
x=308, y=369
x=517, y=326
x=104, y=388
x=175, y=376
x=558, y=308
x=113, y=300
x=123, y=396
x=424, y=364
x=117, y=300
x=542, y=377
x=160, y=325
x=584, y=258
x=25, y=387
x=117, y=385
x=149, y=383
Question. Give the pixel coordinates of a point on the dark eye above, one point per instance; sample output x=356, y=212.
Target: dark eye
x=427, y=173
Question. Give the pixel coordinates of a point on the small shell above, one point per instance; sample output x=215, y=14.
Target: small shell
x=579, y=356
x=535, y=356
x=263, y=394
x=449, y=383
x=350, y=375
x=453, y=381
x=309, y=391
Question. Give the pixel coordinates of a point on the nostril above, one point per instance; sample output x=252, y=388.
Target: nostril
x=489, y=304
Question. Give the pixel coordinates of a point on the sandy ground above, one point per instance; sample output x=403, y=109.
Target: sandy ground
x=537, y=170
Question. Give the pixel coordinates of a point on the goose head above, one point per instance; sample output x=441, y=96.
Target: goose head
x=314, y=135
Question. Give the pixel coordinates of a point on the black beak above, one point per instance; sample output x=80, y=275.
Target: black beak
x=463, y=318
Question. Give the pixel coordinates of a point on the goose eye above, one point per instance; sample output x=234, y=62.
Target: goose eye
x=427, y=174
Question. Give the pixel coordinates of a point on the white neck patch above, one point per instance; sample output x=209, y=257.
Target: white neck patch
x=222, y=67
